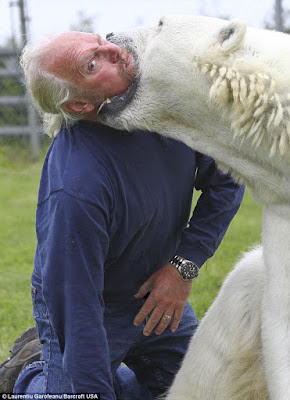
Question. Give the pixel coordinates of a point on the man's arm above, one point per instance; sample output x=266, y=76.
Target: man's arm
x=220, y=200
x=217, y=205
x=72, y=244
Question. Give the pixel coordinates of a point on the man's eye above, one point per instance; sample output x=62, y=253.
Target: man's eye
x=92, y=65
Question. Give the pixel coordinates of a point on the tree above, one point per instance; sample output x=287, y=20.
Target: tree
x=280, y=18
x=84, y=23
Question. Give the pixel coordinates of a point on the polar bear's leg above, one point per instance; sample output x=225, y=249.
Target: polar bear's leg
x=276, y=301
x=223, y=361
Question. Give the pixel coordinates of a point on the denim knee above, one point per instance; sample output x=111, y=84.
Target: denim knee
x=31, y=379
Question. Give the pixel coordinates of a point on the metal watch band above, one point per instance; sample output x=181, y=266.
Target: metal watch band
x=176, y=261
x=188, y=270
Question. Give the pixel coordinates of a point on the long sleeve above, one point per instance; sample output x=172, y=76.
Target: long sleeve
x=217, y=205
x=72, y=246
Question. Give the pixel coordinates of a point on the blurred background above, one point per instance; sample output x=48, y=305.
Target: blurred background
x=23, y=143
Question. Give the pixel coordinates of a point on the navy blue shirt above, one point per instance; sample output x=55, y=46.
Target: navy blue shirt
x=114, y=208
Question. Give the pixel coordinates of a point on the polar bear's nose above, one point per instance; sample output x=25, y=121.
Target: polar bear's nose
x=109, y=35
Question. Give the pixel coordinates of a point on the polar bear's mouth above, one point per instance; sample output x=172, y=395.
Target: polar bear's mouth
x=116, y=104
x=113, y=106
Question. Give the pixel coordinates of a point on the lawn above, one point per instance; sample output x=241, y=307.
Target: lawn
x=243, y=234
x=19, y=186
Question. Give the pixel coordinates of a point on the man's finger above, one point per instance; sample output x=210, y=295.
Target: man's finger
x=153, y=321
x=145, y=310
x=176, y=319
x=164, y=322
x=144, y=289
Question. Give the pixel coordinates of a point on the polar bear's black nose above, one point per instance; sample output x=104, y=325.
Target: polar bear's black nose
x=109, y=35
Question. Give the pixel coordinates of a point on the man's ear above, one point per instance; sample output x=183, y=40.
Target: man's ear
x=78, y=107
x=230, y=36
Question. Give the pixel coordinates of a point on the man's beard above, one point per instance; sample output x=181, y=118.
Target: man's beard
x=130, y=72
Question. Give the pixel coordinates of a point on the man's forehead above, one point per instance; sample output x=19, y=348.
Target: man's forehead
x=77, y=36
x=63, y=50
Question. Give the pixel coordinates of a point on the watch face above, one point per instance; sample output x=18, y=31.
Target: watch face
x=188, y=270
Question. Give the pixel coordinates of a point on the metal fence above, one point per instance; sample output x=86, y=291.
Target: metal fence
x=17, y=115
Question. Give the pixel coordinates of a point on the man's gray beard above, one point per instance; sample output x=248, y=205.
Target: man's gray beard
x=124, y=73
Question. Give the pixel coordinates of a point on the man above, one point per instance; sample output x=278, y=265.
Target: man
x=116, y=257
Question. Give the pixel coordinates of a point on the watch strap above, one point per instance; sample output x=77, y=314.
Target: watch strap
x=181, y=264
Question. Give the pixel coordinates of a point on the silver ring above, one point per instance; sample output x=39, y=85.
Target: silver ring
x=166, y=316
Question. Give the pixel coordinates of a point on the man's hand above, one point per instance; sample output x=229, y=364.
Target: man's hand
x=168, y=295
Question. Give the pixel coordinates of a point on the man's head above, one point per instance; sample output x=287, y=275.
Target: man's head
x=71, y=74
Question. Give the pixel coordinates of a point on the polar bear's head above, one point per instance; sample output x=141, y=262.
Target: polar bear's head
x=203, y=73
x=167, y=57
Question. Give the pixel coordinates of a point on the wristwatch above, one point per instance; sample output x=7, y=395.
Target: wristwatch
x=188, y=270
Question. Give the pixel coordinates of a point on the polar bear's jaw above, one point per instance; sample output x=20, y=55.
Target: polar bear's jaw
x=258, y=112
x=117, y=104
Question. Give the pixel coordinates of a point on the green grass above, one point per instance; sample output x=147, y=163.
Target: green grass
x=243, y=233
x=19, y=179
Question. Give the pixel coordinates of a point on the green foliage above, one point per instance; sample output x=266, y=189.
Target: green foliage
x=12, y=87
x=19, y=186
x=11, y=115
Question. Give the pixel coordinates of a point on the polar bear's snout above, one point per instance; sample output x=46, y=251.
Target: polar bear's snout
x=109, y=35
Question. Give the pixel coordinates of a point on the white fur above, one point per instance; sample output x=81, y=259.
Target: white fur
x=224, y=357
x=224, y=90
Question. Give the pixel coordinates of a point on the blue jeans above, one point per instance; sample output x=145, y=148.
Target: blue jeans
x=150, y=362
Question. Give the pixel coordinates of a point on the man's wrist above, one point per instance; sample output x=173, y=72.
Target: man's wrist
x=187, y=269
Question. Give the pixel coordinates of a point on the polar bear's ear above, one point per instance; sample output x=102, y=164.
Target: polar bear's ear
x=231, y=36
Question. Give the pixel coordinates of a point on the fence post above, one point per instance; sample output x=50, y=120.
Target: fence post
x=34, y=129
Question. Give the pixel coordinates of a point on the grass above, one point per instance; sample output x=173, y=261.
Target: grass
x=243, y=234
x=19, y=178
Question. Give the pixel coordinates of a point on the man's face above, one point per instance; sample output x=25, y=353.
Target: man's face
x=92, y=63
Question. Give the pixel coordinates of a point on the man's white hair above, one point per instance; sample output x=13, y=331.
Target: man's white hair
x=50, y=92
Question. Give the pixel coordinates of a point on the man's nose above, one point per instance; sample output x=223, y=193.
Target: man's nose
x=111, y=51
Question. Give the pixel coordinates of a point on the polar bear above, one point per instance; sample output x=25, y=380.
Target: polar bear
x=224, y=359
x=223, y=89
